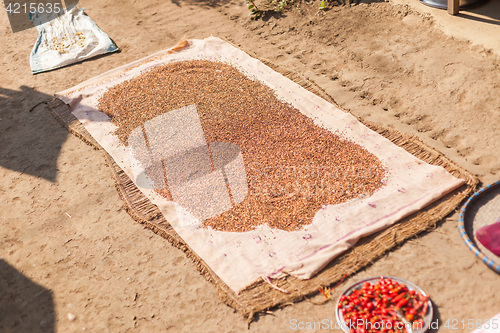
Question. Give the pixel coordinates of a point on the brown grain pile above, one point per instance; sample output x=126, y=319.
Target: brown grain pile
x=293, y=167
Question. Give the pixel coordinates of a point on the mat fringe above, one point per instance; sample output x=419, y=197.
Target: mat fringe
x=260, y=296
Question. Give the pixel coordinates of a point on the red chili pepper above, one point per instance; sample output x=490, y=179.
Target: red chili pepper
x=378, y=302
x=424, y=309
x=398, y=298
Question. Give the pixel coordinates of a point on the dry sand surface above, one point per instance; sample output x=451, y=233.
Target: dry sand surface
x=62, y=223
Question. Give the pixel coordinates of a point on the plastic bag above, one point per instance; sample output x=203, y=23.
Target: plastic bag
x=489, y=236
x=67, y=39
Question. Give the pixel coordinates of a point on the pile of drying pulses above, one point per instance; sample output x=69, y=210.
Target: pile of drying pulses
x=293, y=167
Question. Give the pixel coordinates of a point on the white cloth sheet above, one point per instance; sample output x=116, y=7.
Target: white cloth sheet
x=240, y=259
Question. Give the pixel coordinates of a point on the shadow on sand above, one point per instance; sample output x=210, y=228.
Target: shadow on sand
x=489, y=13
x=203, y=3
x=30, y=139
x=24, y=305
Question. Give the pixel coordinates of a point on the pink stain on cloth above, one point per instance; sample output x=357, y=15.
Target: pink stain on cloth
x=489, y=236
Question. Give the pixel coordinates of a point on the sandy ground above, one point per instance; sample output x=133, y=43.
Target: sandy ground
x=478, y=24
x=62, y=224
